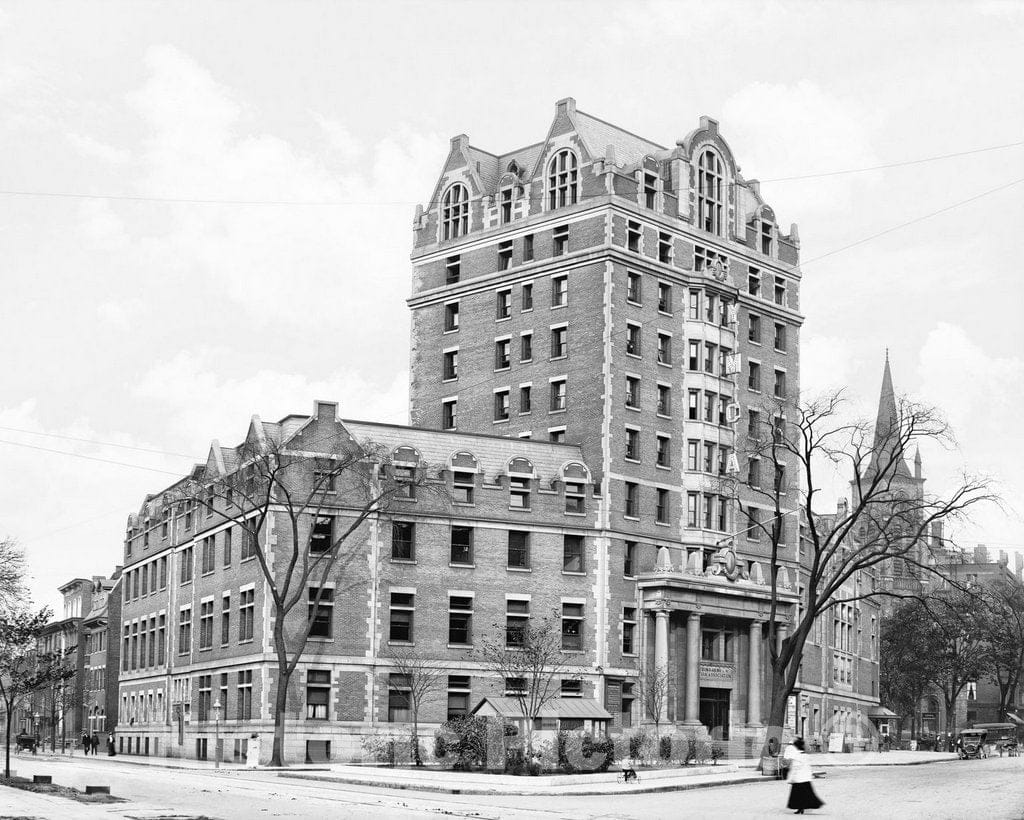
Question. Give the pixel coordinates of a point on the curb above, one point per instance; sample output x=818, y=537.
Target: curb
x=430, y=787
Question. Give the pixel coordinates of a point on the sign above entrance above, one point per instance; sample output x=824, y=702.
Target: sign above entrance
x=724, y=562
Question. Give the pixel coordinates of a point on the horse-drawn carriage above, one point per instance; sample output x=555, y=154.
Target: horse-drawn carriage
x=26, y=742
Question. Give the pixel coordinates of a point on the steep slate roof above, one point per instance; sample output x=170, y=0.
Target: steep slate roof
x=489, y=167
x=492, y=452
x=598, y=135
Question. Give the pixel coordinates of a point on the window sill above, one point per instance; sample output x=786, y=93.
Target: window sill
x=403, y=560
x=502, y=318
x=205, y=573
x=526, y=361
x=662, y=524
x=555, y=412
x=783, y=352
x=631, y=517
x=563, y=357
x=755, y=342
x=633, y=301
x=448, y=381
x=250, y=558
x=559, y=307
x=631, y=460
x=468, y=646
x=664, y=312
x=400, y=643
x=663, y=415
x=633, y=355
x=631, y=407
x=500, y=421
x=247, y=640
x=663, y=466
x=464, y=503
x=665, y=364
x=520, y=509
x=576, y=514
x=462, y=566
x=321, y=639
x=504, y=369
x=753, y=390
x=579, y=574
x=529, y=309
x=519, y=569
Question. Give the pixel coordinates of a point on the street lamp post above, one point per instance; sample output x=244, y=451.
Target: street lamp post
x=216, y=740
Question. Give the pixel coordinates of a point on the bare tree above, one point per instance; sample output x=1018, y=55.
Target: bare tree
x=654, y=692
x=24, y=668
x=320, y=488
x=528, y=658
x=421, y=680
x=12, y=574
x=881, y=523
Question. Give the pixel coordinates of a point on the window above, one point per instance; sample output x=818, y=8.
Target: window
x=403, y=541
x=572, y=627
x=693, y=357
x=243, y=705
x=518, y=549
x=780, y=337
x=525, y=399
x=225, y=620
x=633, y=288
x=693, y=411
x=460, y=620
x=563, y=181
x=754, y=376
x=664, y=298
x=709, y=456
x=780, y=290
x=515, y=686
x=505, y=255
x=559, y=291
x=557, y=395
x=692, y=509
x=162, y=638
x=780, y=479
x=650, y=190
x=633, y=392
x=634, y=234
x=556, y=435
x=754, y=472
x=449, y=413
x=501, y=405
x=517, y=617
x=324, y=475
x=205, y=688
x=248, y=545
x=519, y=492
x=575, y=497
x=661, y=511
x=528, y=249
x=560, y=241
x=710, y=352
x=208, y=558
x=766, y=238
x=754, y=283
x=321, y=538
x=664, y=453
x=455, y=212
x=754, y=328
x=709, y=192
x=321, y=611
x=462, y=546
x=570, y=688
x=709, y=407
x=780, y=384
x=559, y=342
x=451, y=316
x=754, y=524
x=723, y=514
x=664, y=248
x=318, y=693
x=458, y=696
x=401, y=611
x=503, y=305
x=572, y=553
x=753, y=424
x=632, y=444
x=664, y=400
x=405, y=481
x=526, y=347
x=629, y=559
x=692, y=455
x=664, y=349
x=711, y=308
x=633, y=340
x=187, y=559
x=694, y=308
x=506, y=198
x=632, y=507
x=184, y=631
x=246, y=606
x=709, y=511
x=206, y=625
x=628, y=630
x=450, y=365
x=462, y=486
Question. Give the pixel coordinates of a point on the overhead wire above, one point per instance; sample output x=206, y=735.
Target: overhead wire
x=95, y=441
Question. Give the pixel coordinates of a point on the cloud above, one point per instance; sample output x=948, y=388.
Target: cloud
x=92, y=148
x=202, y=404
x=119, y=314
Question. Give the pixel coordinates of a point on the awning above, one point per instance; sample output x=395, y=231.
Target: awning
x=881, y=713
x=1015, y=718
x=580, y=708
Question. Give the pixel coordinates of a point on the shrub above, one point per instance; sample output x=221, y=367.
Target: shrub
x=465, y=740
x=639, y=743
x=440, y=745
x=380, y=747
x=603, y=749
x=717, y=751
x=665, y=747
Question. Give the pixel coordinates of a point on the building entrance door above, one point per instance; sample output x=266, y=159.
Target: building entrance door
x=714, y=711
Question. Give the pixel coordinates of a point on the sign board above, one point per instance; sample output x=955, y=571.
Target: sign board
x=835, y=742
x=791, y=712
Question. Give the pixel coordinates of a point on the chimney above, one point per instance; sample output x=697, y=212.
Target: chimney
x=326, y=410
x=566, y=105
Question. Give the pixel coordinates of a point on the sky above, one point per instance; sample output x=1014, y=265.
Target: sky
x=133, y=331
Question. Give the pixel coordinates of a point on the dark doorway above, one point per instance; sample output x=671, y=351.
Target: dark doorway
x=714, y=711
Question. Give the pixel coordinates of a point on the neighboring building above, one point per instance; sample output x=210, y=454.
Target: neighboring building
x=599, y=326
x=101, y=628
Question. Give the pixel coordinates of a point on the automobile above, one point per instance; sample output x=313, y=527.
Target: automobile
x=1002, y=736
x=26, y=742
x=970, y=743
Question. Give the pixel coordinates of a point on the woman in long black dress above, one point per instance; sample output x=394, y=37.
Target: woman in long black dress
x=801, y=793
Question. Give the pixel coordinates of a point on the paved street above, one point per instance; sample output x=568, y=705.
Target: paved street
x=995, y=788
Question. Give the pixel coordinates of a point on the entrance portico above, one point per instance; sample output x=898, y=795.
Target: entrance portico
x=708, y=633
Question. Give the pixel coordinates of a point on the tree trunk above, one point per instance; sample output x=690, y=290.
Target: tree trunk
x=280, y=705
x=777, y=709
x=416, y=738
x=7, y=746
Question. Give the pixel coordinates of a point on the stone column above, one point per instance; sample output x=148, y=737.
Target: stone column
x=661, y=653
x=754, y=675
x=691, y=708
x=781, y=631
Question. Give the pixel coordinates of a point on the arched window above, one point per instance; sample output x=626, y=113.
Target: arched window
x=710, y=192
x=563, y=180
x=455, y=212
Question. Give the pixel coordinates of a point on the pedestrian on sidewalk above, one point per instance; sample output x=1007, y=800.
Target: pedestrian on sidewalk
x=86, y=743
x=110, y=745
x=94, y=741
x=252, y=752
x=801, y=793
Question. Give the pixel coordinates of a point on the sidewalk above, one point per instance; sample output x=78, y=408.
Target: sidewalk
x=894, y=758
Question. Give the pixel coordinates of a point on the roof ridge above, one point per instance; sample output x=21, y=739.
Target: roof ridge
x=623, y=130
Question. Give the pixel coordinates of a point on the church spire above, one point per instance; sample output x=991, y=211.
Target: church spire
x=887, y=423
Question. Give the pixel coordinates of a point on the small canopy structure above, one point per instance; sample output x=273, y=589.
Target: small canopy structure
x=557, y=714
x=885, y=719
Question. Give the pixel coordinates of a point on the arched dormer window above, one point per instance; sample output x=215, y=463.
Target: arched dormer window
x=404, y=461
x=563, y=180
x=575, y=477
x=520, y=474
x=455, y=212
x=710, y=192
x=464, y=469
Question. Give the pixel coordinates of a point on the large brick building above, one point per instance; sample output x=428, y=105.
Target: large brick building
x=600, y=327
